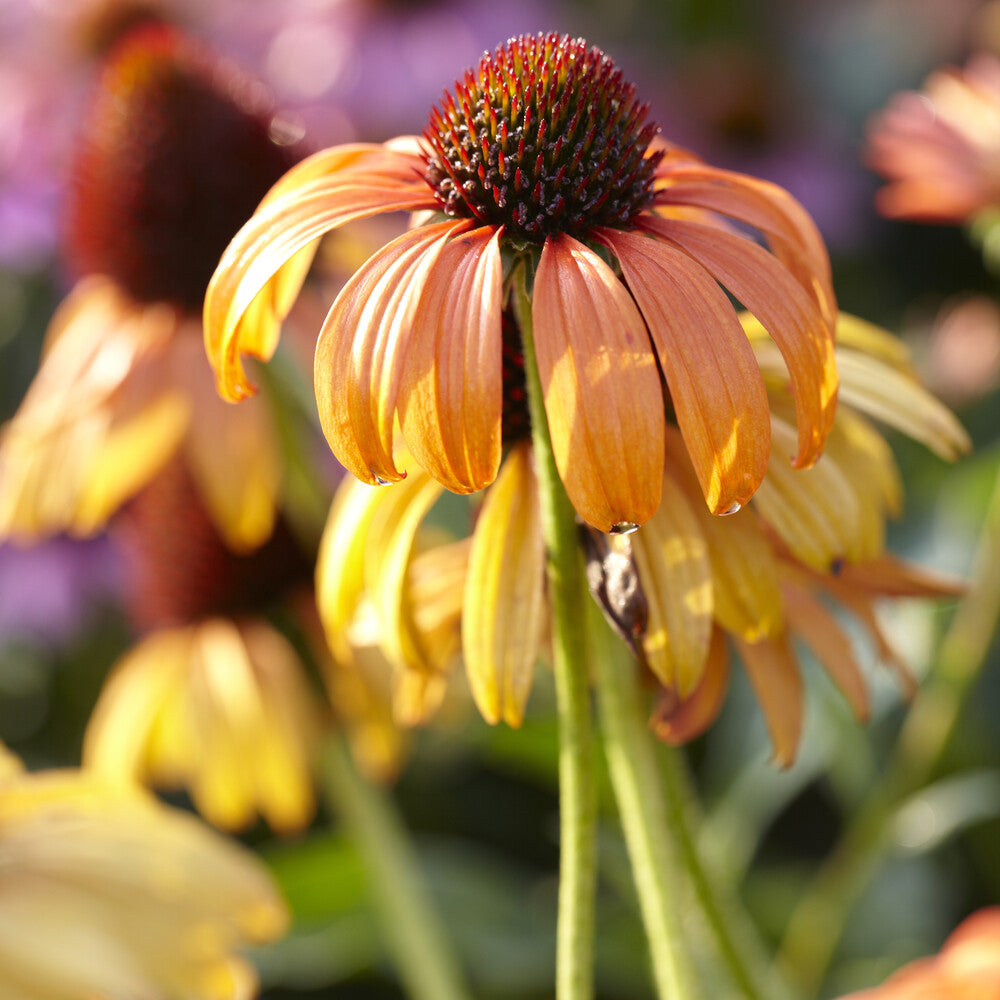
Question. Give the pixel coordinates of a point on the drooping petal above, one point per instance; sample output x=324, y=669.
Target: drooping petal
x=602, y=389
x=678, y=720
x=714, y=381
x=746, y=595
x=821, y=632
x=791, y=317
x=891, y=577
x=676, y=577
x=790, y=232
x=363, y=347
x=774, y=676
x=282, y=227
x=504, y=600
x=451, y=394
x=815, y=511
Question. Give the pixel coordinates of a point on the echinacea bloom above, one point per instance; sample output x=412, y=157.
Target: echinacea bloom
x=542, y=159
x=966, y=968
x=104, y=892
x=686, y=586
x=120, y=391
x=212, y=698
x=940, y=148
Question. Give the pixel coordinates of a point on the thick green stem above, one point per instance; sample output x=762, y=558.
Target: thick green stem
x=645, y=822
x=577, y=787
x=818, y=921
x=413, y=931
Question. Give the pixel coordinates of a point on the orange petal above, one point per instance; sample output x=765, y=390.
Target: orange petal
x=362, y=348
x=792, y=318
x=774, y=676
x=451, y=392
x=504, y=593
x=820, y=631
x=602, y=388
x=714, y=380
x=272, y=237
x=679, y=720
x=790, y=232
x=891, y=577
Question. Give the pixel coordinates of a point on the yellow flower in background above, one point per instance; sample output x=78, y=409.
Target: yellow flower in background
x=221, y=708
x=940, y=148
x=105, y=893
x=121, y=388
x=542, y=155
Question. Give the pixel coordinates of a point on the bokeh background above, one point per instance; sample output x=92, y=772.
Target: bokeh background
x=783, y=89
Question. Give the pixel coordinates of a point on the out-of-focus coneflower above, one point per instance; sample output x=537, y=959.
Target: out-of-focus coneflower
x=542, y=159
x=966, y=968
x=108, y=893
x=157, y=196
x=939, y=148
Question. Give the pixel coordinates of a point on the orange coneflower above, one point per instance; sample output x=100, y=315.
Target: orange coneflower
x=940, y=148
x=543, y=156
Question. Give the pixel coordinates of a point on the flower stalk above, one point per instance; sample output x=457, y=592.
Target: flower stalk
x=577, y=788
x=407, y=913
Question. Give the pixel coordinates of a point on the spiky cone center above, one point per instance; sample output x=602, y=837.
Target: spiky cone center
x=543, y=137
x=178, y=570
x=175, y=154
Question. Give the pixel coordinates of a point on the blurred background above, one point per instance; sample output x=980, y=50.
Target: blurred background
x=783, y=89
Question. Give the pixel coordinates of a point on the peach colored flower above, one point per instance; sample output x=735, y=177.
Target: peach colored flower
x=542, y=159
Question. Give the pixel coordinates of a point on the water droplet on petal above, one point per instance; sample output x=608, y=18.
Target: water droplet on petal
x=379, y=481
x=734, y=508
x=624, y=528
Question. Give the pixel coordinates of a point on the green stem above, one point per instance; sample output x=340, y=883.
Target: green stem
x=577, y=785
x=645, y=822
x=731, y=929
x=403, y=902
x=818, y=921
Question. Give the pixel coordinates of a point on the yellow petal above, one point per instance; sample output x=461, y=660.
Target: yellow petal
x=451, y=395
x=676, y=576
x=774, y=676
x=504, y=593
x=711, y=372
x=601, y=385
x=362, y=352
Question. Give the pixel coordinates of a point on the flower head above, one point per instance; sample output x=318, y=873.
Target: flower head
x=117, y=395
x=940, y=148
x=541, y=160
x=107, y=893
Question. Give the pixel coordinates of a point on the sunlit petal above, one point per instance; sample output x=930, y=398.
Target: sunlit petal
x=602, y=388
x=362, y=350
x=714, y=381
x=451, y=392
x=504, y=601
x=790, y=316
x=676, y=576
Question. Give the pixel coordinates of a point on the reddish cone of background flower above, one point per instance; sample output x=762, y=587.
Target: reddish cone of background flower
x=542, y=156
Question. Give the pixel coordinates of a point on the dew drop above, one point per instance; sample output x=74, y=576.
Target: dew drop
x=734, y=508
x=379, y=481
x=624, y=528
